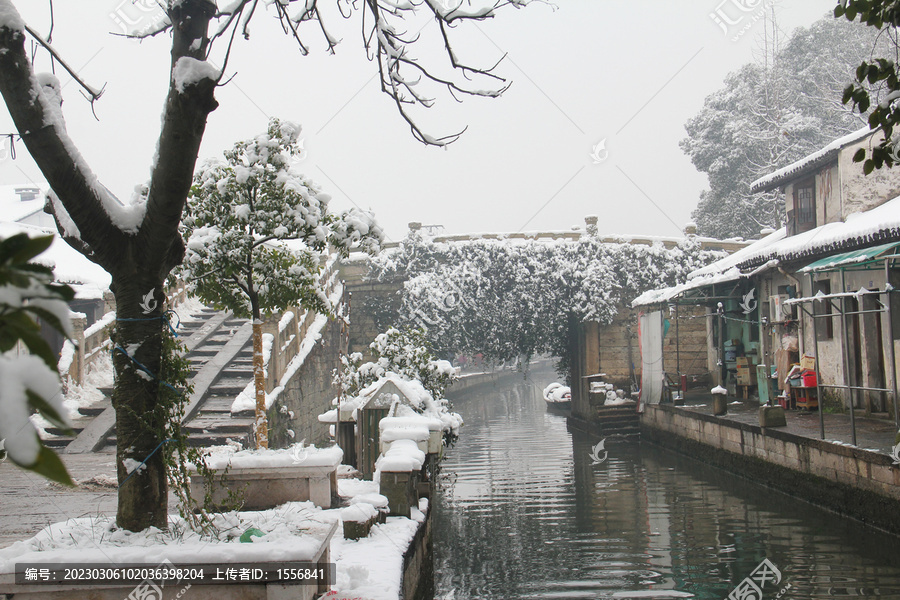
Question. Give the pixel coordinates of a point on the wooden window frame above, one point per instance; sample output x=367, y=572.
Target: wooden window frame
x=804, y=219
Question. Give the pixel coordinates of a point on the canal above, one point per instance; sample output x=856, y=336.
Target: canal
x=522, y=512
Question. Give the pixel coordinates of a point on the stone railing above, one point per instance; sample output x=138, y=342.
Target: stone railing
x=290, y=328
x=84, y=347
x=589, y=229
x=87, y=344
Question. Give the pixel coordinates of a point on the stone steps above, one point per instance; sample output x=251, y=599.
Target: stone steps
x=213, y=422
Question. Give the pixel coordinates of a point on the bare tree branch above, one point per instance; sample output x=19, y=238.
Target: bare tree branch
x=94, y=92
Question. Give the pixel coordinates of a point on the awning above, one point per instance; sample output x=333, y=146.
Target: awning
x=854, y=258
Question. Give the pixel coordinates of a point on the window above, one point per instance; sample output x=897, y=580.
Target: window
x=824, y=325
x=804, y=206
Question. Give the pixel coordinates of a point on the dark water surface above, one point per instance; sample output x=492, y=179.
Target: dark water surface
x=523, y=513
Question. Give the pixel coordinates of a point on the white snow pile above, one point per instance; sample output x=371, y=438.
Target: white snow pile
x=190, y=71
x=369, y=568
x=557, y=392
x=220, y=457
x=287, y=529
x=411, y=426
x=616, y=398
x=403, y=456
x=359, y=512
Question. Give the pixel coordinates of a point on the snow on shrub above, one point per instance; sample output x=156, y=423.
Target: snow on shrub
x=506, y=298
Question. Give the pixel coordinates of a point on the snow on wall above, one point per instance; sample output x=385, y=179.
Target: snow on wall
x=860, y=192
x=246, y=399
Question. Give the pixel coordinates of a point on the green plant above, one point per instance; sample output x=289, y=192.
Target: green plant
x=30, y=380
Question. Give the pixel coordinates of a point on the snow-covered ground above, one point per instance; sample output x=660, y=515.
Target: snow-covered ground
x=367, y=569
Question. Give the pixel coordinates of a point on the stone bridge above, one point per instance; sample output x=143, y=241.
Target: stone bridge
x=611, y=349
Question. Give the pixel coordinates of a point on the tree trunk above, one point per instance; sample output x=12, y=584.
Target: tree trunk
x=259, y=378
x=138, y=262
x=140, y=420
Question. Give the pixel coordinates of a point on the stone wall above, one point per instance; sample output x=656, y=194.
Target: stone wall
x=685, y=348
x=850, y=481
x=367, y=299
x=614, y=350
x=418, y=564
x=308, y=394
x=618, y=346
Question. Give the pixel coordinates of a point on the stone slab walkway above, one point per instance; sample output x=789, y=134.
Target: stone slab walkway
x=28, y=502
x=871, y=433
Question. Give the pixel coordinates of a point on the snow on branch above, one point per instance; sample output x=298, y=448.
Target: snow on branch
x=190, y=71
x=391, y=29
x=93, y=92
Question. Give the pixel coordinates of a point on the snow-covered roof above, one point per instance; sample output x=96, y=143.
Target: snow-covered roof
x=69, y=266
x=877, y=226
x=808, y=163
x=721, y=271
x=18, y=202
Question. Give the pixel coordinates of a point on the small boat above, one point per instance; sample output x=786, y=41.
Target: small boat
x=558, y=396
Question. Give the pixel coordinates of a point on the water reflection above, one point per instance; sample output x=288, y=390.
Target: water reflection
x=523, y=513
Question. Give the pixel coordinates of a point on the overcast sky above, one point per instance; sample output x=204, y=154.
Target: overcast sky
x=624, y=73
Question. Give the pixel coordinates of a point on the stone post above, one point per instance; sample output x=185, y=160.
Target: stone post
x=109, y=301
x=401, y=489
x=720, y=400
x=274, y=369
x=76, y=369
x=772, y=416
x=590, y=224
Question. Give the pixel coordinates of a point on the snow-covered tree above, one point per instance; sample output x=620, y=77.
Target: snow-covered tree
x=139, y=244
x=877, y=86
x=257, y=232
x=29, y=382
x=508, y=300
x=402, y=352
x=768, y=114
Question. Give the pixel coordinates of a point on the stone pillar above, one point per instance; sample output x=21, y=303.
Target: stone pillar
x=590, y=224
x=719, y=401
x=109, y=301
x=401, y=490
x=273, y=369
x=76, y=369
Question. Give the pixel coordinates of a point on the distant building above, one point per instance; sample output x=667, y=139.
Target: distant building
x=22, y=211
x=820, y=287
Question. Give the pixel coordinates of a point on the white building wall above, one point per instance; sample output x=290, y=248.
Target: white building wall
x=861, y=192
